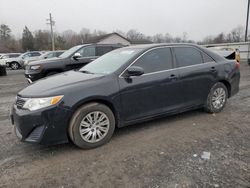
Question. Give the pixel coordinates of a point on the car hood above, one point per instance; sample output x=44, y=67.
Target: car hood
x=59, y=84
x=46, y=61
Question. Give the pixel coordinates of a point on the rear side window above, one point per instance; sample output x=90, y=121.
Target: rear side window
x=207, y=58
x=187, y=56
x=155, y=60
x=101, y=50
x=34, y=54
x=13, y=55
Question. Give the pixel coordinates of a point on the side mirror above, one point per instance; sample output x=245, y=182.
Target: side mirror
x=45, y=57
x=77, y=55
x=135, y=71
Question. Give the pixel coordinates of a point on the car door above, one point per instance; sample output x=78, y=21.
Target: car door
x=154, y=92
x=198, y=72
x=87, y=54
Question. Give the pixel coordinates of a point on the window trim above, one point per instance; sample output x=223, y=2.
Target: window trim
x=160, y=47
x=174, y=62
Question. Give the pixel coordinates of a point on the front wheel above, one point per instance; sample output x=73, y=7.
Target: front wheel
x=92, y=125
x=217, y=98
x=14, y=66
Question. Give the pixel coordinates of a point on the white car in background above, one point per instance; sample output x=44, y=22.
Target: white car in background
x=18, y=62
x=4, y=57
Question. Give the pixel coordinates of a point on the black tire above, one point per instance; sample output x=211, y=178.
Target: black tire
x=51, y=73
x=209, y=106
x=79, y=115
x=14, y=66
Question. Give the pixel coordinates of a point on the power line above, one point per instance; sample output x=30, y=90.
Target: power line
x=51, y=22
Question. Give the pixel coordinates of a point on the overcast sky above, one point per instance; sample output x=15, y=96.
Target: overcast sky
x=198, y=18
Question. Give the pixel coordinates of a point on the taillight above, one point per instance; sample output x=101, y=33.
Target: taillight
x=237, y=65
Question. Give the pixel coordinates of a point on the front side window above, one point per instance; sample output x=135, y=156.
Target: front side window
x=50, y=55
x=88, y=51
x=187, y=56
x=155, y=60
x=103, y=50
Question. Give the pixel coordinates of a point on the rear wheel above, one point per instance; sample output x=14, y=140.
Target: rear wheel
x=217, y=98
x=91, y=126
x=14, y=66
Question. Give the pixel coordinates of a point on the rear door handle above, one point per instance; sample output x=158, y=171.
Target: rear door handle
x=213, y=69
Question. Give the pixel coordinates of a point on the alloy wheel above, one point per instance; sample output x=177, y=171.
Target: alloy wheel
x=14, y=66
x=219, y=98
x=94, y=127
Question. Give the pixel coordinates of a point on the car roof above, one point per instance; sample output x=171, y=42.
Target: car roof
x=146, y=47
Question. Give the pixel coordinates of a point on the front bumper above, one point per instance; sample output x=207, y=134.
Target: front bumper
x=31, y=77
x=47, y=126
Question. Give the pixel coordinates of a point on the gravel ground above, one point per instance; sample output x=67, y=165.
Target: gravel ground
x=162, y=153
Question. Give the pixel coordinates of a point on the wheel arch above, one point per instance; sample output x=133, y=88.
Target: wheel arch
x=14, y=62
x=228, y=86
x=99, y=100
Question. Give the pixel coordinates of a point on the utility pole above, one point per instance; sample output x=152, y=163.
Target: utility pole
x=51, y=22
x=247, y=20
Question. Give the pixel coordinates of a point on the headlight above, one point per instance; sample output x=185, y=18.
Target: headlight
x=35, y=67
x=38, y=103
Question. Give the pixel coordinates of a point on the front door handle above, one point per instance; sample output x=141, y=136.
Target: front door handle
x=173, y=77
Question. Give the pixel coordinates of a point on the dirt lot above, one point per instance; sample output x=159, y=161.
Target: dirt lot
x=162, y=153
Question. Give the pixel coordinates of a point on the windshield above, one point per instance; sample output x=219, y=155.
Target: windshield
x=25, y=55
x=70, y=51
x=111, y=61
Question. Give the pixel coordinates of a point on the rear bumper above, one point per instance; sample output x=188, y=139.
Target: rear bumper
x=42, y=126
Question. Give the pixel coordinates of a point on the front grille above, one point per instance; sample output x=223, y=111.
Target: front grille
x=20, y=102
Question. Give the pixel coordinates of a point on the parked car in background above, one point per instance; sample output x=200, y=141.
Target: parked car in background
x=18, y=62
x=1, y=54
x=4, y=57
x=45, y=55
x=123, y=87
x=74, y=58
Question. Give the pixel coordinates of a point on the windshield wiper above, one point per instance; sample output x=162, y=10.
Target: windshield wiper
x=87, y=72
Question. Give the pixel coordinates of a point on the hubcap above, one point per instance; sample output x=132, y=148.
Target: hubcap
x=14, y=66
x=94, y=126
x=219, y=98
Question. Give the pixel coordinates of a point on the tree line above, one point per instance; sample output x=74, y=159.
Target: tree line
x=41, y=39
